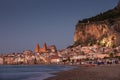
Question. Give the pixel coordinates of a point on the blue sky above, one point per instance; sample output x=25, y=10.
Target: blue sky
x=24, y=23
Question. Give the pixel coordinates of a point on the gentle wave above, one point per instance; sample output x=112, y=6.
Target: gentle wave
x=29, y=72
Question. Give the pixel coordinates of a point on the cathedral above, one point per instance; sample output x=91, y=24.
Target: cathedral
x=41, y=50
x=44, y=49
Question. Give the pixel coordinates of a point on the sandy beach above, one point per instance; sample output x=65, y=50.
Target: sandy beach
x=102, y=72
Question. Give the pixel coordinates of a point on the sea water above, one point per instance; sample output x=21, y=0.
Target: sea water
x=29, y=72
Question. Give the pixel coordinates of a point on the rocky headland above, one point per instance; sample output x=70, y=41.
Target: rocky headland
x=103, y=29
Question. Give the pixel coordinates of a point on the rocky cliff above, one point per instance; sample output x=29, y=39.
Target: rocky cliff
x=103, y=29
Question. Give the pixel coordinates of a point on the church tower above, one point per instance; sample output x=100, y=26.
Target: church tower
x=44, y=48
x=37, y=48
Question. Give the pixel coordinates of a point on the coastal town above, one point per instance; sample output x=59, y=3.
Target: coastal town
x=94, y=54
x=97, y=39
x=89, y=52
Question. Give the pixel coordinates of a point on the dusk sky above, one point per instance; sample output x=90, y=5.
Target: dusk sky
x=24, y=23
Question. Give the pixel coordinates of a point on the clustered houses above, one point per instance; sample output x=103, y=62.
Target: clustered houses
x=18, y=58
x=50, y=55
x=95, y=52
x=41, y=55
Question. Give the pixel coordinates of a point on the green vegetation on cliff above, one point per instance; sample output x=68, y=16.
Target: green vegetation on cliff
x=109, y=15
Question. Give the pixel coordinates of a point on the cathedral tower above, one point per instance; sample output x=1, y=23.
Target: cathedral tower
x=37, y=48
x=44, y=48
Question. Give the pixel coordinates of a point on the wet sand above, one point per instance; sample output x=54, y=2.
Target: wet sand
x=102, y=72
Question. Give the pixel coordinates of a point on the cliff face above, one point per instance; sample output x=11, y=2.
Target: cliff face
x=89, y=33
x=103, y=29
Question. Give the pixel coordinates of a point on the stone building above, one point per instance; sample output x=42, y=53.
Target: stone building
x=41, y=50
x=45, y=49
x=52, y=48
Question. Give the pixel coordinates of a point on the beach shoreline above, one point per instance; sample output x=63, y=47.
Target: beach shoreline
x=83, y=72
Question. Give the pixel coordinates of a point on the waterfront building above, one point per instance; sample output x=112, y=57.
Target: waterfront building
x=55, y=59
